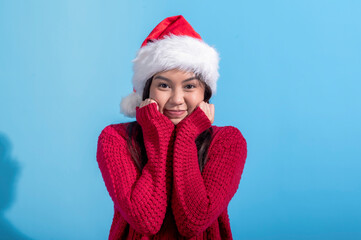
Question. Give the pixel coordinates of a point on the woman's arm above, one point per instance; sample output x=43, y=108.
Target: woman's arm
x=199, y=198
x=140, y=198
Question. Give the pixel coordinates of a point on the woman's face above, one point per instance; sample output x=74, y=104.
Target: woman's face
x=177, y=93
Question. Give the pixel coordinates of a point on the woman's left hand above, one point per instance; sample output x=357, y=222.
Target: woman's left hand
x=208, y=109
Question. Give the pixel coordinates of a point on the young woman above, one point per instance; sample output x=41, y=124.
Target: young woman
x=171, y=174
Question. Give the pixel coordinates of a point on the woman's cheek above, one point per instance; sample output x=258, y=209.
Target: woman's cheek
x=190, y=111
x=161, y=109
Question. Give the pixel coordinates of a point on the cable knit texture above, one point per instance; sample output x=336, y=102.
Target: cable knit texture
x=171, y=198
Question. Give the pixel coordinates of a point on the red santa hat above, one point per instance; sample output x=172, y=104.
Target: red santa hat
x=173, y=44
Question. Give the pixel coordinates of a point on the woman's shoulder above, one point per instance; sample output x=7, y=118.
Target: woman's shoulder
x=228, y=133
x=118, y=130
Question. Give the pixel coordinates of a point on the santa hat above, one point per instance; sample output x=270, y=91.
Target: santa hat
x=173, y=44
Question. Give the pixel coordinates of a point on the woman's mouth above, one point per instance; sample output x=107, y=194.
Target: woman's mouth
x=174, y=113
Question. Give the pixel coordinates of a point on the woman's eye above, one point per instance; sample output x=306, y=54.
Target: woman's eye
x=190, y=86
x=163, y=85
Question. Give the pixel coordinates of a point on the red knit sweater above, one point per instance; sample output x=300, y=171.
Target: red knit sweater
x=171, y=198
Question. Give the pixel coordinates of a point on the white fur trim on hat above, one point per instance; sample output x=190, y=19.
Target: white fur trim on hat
x=129, y=104
x=181, y=52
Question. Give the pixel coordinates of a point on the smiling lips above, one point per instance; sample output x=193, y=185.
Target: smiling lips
x=174, y=113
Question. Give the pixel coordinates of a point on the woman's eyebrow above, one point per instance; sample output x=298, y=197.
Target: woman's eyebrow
x=168, y=80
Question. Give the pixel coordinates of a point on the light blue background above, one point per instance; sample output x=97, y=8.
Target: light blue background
x=290, y=81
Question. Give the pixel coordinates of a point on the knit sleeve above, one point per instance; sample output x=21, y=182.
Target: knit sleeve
x=141, y=199
x=199, y=198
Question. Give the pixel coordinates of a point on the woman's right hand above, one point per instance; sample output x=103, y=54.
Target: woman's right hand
x=148, y=101
x=145, y=114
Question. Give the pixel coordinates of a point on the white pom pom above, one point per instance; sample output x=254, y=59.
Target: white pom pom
x=129, y=103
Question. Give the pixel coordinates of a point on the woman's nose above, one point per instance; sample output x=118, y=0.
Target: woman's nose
x=177, y=97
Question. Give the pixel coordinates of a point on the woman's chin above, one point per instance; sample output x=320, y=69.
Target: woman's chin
x=175, y=121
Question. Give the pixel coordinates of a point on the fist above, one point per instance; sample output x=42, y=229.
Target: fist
x=208, y=109
x=148, y=101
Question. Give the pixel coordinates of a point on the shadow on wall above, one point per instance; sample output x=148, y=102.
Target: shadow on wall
x=9, y=170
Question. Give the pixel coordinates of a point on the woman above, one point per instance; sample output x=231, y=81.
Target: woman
x=171, y=174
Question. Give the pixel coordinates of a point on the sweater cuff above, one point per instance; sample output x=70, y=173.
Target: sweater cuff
x=147, y=114
x=196, y=122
